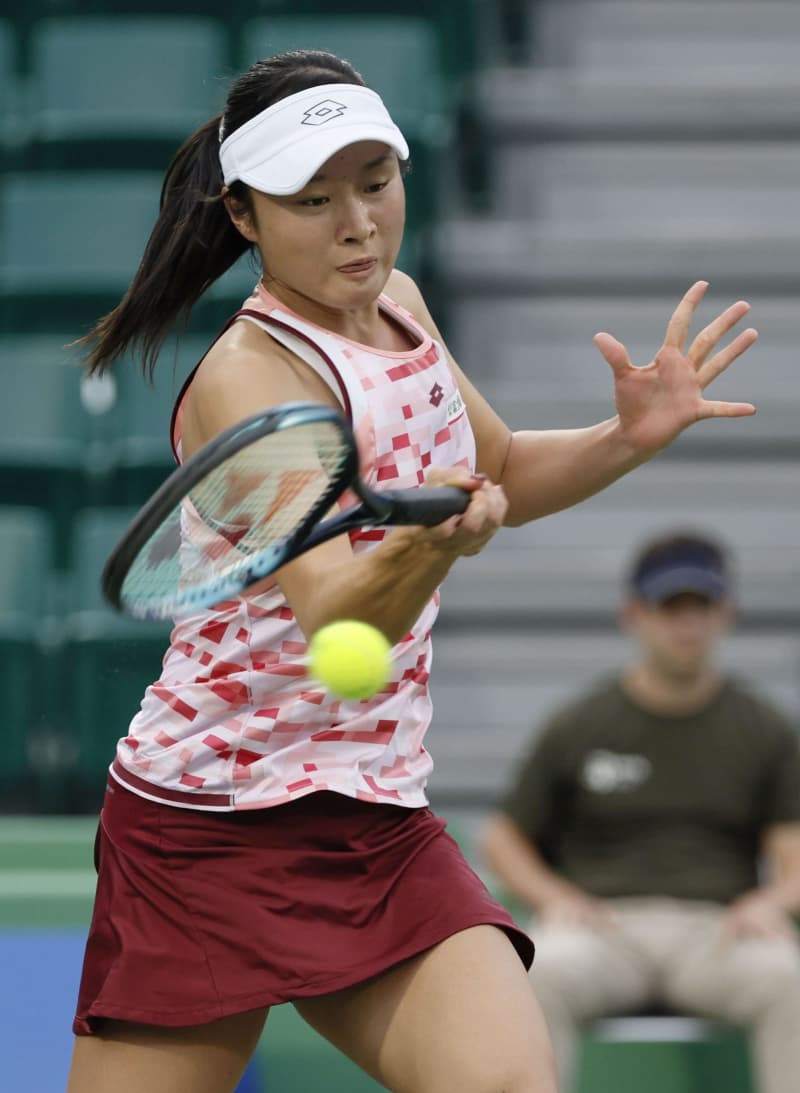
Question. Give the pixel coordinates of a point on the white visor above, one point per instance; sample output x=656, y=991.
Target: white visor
x=282, y=148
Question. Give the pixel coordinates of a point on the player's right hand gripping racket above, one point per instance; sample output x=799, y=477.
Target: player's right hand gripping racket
x=248, y=502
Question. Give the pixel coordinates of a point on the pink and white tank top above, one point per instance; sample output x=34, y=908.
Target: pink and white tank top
x=234, y=722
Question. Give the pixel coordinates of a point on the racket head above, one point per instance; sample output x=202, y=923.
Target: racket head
x=233, y=512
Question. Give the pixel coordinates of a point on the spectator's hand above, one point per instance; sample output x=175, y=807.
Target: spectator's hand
x=471, y=531
x=658, y=401
x=571, y=907
x=756, y=915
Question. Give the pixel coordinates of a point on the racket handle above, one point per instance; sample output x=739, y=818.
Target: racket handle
x=427, y=506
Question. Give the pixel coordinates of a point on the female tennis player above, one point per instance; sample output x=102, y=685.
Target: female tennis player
x=260, y=841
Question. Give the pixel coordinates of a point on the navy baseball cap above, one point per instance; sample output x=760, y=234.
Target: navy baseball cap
x=678, y=564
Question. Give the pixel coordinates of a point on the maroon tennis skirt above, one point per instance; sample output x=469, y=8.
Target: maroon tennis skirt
x=203, y=914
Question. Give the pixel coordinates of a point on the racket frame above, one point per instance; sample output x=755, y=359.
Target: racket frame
x=185, y=477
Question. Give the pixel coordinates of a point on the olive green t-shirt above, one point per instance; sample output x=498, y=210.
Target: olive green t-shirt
x=628, y=803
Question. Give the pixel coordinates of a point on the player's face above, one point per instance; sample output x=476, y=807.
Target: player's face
x=333, y=245
x=679, y=636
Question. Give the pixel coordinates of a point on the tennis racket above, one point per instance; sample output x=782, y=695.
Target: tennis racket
x=246, y=503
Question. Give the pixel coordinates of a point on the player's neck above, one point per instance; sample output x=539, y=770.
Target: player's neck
x=366, y=325
x=671, y=695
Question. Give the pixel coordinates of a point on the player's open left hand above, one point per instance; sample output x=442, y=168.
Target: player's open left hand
x=659, y=400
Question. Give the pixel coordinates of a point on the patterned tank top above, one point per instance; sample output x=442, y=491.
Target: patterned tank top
x=234, y=722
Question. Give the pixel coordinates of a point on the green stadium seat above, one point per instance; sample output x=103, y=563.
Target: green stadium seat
x=664, y=1054
x=109, y=659
x=456, y=23
x=25, y=549
x=10, y=89
x=190, y=8
x=52, y=449
x=70, y=242
x=122, y=91
x=8, y=62
x=142, y=453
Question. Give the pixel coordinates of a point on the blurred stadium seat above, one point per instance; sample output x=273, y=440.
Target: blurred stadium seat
x=141, y=454
x=580, y=133
x=25, y=549
x=664, y=1054
x=567, y=565
x=47, y=436
x=70, y=241
x=10, y=89
x=457, y=24
x=595, y=182
x=650, y=34
x=109, y=659
x=99, y=87
x=114, y=8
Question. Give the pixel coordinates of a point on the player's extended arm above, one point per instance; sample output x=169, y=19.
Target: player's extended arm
x=549, y=470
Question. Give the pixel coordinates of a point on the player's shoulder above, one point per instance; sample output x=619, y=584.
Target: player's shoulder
x=405, y=291
x=244, y=371
x=241, y=353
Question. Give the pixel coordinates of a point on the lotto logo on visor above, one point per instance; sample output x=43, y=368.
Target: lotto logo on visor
x=322, y=112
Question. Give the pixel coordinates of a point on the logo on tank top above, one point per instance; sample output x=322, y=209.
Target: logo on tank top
x=611, y=772
x=325, y=110
x=455, y=407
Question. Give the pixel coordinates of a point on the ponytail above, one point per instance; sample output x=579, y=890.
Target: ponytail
x=191, y=245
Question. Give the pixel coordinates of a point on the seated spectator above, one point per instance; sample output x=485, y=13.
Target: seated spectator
x=654, y=831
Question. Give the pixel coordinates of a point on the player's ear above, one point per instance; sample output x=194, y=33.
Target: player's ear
x=241, y=215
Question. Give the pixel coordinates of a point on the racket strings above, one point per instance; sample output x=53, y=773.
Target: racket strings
x=248, y=504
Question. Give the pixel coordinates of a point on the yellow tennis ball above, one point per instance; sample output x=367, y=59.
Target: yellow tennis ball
x=352, y=659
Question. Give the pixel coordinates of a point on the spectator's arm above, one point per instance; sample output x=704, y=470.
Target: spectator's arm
x=767, y=911
x=522, y=870
x=781, y=847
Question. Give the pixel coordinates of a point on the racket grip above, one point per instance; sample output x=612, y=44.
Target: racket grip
x=428, y=506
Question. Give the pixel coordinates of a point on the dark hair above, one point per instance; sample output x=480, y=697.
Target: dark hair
x=193, y=241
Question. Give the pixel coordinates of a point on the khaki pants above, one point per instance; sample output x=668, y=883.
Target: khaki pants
x=671, y=953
